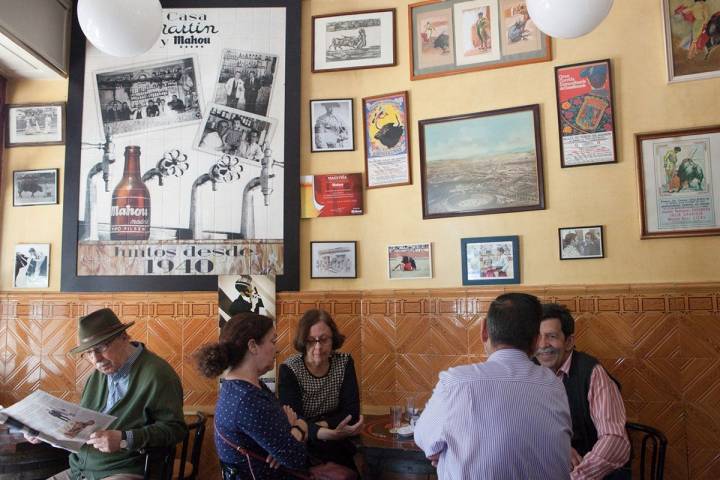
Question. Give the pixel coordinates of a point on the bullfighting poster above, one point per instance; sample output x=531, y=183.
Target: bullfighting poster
x=585, y=114
x=387, y=148
x=182, y=166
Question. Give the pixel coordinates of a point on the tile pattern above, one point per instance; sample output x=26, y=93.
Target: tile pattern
x=662, y=342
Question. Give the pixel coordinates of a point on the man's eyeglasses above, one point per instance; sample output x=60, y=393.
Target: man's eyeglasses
x=311, y=341
x=100, y=349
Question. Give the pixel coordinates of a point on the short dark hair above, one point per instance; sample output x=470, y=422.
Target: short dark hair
x=513, y=319
x=310, y=318
x=561, y=312
x=214, y=358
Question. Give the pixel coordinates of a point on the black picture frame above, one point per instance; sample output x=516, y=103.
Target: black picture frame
x=316, y=268
x=350, y=118
x=17, y=174
x=290, y=279
x=581, y=249
x=496, y=272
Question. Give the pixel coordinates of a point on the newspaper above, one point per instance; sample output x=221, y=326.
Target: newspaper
x=55, y=421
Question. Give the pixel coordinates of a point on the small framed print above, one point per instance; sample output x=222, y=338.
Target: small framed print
x=347, y=41
x=35, y=124
x=408, y=261
x=32, y=262
x=490, y=260
x=333, y=259
x=386, y=124
x=585, y=113
x=578, y=243
x=332, y=125
x=35, y=187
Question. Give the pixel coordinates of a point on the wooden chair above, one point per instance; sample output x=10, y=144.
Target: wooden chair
x=161, y=464
x=653, y=444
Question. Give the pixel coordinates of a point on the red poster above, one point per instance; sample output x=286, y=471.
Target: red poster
x=331, y=195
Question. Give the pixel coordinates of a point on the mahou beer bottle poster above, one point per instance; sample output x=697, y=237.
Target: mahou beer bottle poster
x=182, y=166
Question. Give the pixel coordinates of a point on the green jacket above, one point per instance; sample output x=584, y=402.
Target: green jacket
x=152, y=409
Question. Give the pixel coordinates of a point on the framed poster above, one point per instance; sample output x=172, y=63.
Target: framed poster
x=456, y=36
x=577, y=243
x=333, y=125
x=177, y=171
x=490, y=260
x=386, y=124
x=499, y=154
x=408, y=261
x=333, y=259
x=352, y=40
x=679, y=175
x=35, y=124
x=32, y=262
x=586, y=118
x=35, y=187
x=333, y=195
x=692, y=38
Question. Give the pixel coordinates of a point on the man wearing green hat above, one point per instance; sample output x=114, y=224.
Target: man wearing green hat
x=133, y=384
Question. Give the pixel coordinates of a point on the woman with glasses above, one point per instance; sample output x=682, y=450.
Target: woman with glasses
x=254, y=434
x=320, y=384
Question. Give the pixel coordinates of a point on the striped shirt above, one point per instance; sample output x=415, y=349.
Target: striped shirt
x=607, y=411
x=505, y=419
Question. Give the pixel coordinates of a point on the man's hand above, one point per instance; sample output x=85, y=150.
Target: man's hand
x=434, y=459
x=31, y=438
x=343, y=430
x=575, y=459
x=107, y=441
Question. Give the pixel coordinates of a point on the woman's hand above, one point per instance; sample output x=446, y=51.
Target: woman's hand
x=291, y=415
x=343, y=430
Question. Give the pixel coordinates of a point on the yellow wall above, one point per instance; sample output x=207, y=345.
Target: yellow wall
x=632, y=36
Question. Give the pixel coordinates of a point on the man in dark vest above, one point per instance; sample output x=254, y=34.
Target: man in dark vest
x=600, y=446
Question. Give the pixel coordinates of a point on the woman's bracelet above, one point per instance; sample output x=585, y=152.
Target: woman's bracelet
x=303, y=434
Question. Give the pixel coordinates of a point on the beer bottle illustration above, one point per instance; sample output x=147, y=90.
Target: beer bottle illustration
x=130, y=211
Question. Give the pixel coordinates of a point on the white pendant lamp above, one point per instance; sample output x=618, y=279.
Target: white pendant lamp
x=568, y=18
x=121, y=28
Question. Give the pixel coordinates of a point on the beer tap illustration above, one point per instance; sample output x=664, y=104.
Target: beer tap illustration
x=226, y=170
x=108, y=148
x=173, y=163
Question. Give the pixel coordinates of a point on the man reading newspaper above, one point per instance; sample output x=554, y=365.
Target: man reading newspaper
x=132, y=384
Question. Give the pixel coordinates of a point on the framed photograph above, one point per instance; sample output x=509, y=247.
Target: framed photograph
x=346, y=41
x=408, y=261
x=333, y=195
x=35, y=124
x=35, y=187
x=490, y=260
x=32, y=262
x=333, y=260
x=386, y=123
x=679, y=175
x=499, y=154
x=456, y=36
x=586, y=119
x=577, y=243
x=201, y=143
x=692, y=39
x=332, y=125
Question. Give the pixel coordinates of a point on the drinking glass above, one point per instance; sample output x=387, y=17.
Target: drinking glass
x=396, y=414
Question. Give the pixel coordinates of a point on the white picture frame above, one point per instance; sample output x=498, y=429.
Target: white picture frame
x=32, y=265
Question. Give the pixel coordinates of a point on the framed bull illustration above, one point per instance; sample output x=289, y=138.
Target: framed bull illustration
x=692, y=39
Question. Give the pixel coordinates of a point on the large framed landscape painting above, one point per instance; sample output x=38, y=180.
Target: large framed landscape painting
x=482, y=163
x=692, y=39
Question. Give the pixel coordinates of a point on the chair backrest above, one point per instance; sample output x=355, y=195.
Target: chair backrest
x=196, y=430
x=158, y=463
x=652, y=443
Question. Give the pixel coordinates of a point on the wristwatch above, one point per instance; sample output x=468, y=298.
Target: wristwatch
x=123, y=440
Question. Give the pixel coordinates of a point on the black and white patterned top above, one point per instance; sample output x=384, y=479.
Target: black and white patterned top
x=319, y=394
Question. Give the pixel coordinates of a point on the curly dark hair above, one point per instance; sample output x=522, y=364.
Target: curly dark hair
x=214, y=358
x=310, y=318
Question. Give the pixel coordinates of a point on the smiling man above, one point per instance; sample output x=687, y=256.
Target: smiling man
x=600, y=444
x=134, y=385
